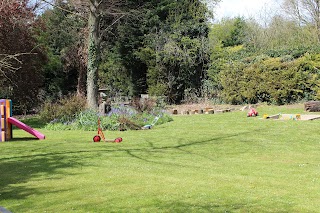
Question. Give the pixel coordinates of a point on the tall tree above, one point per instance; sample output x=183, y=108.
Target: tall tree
x=93, y=53
x=18, y=31
x=305, y=12
x=230, y=31
x=281, y=33
x=112, y=11
x=65, y=40
x=95, y=11
x=160, y=26
x=103, y=15
x=174, y=48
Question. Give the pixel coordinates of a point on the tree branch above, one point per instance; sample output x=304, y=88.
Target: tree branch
x=7, y=61
x=63, y=9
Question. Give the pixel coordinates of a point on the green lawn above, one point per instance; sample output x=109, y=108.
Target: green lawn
x=197, y=163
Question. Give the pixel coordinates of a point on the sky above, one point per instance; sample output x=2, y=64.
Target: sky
x=245, y=8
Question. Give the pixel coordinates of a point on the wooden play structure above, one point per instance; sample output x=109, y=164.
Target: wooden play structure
x=7, y=121
x=6, y=113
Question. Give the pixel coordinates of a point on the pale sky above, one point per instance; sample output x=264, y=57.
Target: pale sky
x=246, y=8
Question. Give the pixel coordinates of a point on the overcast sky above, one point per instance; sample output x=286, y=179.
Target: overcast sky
x=246, y=8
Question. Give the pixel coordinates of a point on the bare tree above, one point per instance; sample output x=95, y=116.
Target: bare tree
x=305, y=12
x=10, y=63
x=7, y=63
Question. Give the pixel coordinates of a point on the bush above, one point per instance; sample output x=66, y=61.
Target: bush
x=119, y=118
x=144, y=104
x=272, y=80
x=65, y=110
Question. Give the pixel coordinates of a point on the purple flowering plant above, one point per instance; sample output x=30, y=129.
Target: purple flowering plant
x=120, y=117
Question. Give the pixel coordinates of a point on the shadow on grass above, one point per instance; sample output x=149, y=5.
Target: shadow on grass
x=23, y=139
x=179, y=206
x=17, y=171
x=136, y=153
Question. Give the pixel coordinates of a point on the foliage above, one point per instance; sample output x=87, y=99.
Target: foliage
x=276, y=63
x=272, y=80
x=230, y=32
x=120, y=118
x=64, y=39
x=165, y=50
x=281, y=33
x=114, y=76
x=70, y=114
x=18, y=32
x=64, y=110
x=304, y=12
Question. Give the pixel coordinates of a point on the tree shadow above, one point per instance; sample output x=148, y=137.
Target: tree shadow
x=17, y=171
x=180, y=147
x=22, y=139
x=180, y=206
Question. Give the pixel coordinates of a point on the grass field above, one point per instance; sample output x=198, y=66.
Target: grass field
x=197, y=163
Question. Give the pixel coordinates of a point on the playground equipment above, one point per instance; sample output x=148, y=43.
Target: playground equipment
x=7, y=121
x=5, y=112
x=100, y=135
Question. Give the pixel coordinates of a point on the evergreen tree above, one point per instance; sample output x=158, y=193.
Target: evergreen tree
x=166, y=50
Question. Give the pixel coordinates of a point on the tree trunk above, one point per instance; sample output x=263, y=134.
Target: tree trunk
x=312, y=106
x=83, y=64
x=81, y=85
x=93, y=55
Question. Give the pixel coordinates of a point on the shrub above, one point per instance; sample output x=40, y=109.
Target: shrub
x=86, y=120
x=273, y=80
x=119, y=118
x=65, y=110
x=144, y=104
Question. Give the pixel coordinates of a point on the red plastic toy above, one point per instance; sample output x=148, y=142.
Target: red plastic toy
x=96, y=138
x=252, y=112
x=100, y=135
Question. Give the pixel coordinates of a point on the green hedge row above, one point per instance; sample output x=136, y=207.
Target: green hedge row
x=279, y=80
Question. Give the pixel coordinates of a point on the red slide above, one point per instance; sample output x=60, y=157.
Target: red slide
x=26, y=128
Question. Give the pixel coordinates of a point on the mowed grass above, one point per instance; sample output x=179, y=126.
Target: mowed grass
x=197, y=163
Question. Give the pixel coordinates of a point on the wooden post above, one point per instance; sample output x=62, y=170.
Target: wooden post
x=210, y=111
x=8, y=125
x=5, y=126
x=3, y=120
